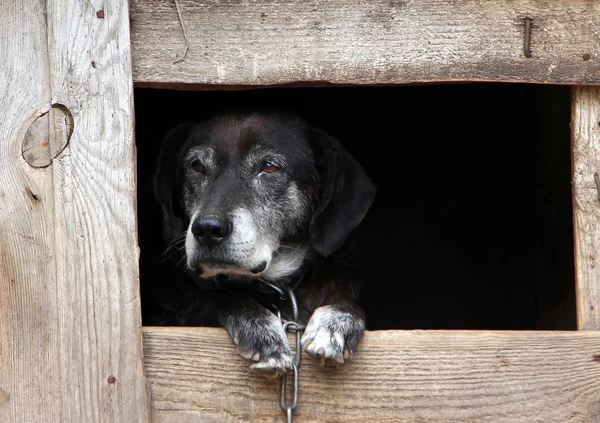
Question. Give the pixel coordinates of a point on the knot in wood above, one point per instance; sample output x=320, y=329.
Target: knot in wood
x=47, y=136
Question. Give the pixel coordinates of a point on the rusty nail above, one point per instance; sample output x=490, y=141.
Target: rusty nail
x=100, y=14
x=586, y=57
x=526, y=46
x=596, y=357
x=112, y=380
x=597, y=180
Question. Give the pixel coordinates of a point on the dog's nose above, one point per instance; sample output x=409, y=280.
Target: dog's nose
x=211, y=230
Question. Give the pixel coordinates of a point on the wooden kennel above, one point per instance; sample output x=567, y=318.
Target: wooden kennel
x=72, y=348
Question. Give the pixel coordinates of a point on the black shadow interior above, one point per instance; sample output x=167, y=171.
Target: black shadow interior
x=472, y=224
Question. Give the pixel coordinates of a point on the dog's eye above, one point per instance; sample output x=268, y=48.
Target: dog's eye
x=269, y=167
x=198, y=167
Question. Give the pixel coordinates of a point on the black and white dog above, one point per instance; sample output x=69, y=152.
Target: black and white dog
x=263, y=196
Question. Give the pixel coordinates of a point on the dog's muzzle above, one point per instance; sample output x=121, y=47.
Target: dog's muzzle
x=211, y=233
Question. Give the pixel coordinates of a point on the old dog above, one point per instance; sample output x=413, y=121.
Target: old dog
x=256, y=198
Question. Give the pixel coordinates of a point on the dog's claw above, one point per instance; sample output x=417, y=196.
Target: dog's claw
x=246, y=355
x=332, y=334
x=273, y=366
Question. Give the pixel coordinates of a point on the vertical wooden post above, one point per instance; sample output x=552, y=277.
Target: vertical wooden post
x=70, y=327
x=585, y=127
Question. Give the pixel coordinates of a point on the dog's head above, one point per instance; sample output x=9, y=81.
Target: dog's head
x=252, y=193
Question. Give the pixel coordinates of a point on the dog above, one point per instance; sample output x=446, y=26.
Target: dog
x=252, y=199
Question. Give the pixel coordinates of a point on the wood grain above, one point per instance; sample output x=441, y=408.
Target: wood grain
x=263, y=42
x=69, y=297
x=195, y=374
x=585, y=126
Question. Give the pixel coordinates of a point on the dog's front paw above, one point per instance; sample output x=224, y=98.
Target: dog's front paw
x=333, y=334
x=262, y=339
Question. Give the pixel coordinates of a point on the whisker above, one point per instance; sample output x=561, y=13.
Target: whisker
x=179, y=237
x=291, y=248
x=178, y=240
x=179, y=261
x=171, y=254
x=173, y=248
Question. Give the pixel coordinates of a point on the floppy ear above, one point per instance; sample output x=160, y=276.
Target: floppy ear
x=165, y=187
x=345, y=194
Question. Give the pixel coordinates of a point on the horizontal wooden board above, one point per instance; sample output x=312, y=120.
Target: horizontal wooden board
x=264, y=42
x=195, y=374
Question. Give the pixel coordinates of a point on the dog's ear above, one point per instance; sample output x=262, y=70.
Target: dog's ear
x=345, y=194
x=165, y=178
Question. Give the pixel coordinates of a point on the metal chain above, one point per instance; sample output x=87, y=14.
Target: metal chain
x=292, y=326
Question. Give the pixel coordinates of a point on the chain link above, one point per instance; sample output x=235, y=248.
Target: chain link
x=292, y=326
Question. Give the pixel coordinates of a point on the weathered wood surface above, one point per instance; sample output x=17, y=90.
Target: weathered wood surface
x=69, y=300
x=264, y=42
x=585, y=126
x=195, y=374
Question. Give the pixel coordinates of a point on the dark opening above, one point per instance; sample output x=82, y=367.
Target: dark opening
x=472, y=224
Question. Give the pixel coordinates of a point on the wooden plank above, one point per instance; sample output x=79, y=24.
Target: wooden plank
x=70, y=329
x=363, y=42
x=585, y=126
x=195, y=374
